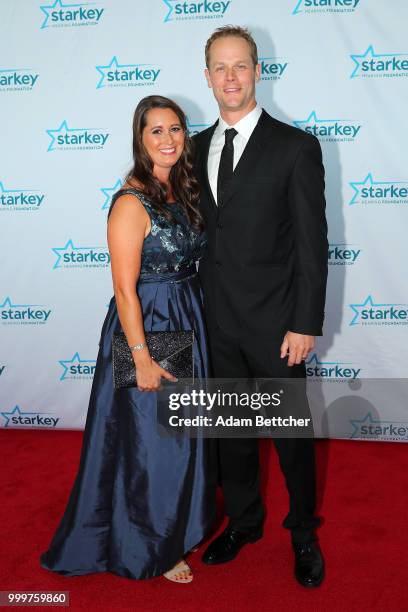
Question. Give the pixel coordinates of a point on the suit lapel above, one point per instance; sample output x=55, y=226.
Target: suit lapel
x=249, y=156
x=203, y=164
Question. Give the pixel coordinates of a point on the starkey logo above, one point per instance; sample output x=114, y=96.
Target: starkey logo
x=70, y=256
x=369, y=312
x=17, y=79
x=60, y=15
x=209, y=9
x=370, y=191
x=23, y=314
x=329, y=130
x=108, y=192
x=17, y=417
x=65, y=138
x=325, y=6
x=77, y=368
x=272, y=68
x=342, y=254
x=115, y=74
x=377, y=65
x=20, y=199
x=2, y=368
x=370, y=428
x=331, y=369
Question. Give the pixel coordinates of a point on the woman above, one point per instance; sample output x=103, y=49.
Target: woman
x=141, y=502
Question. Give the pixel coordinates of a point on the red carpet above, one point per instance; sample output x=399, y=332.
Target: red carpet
x=363, y=499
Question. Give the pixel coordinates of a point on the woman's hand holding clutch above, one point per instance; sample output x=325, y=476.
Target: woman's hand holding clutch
x=149, y=373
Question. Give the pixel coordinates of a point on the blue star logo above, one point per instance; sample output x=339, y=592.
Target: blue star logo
x=63, y=126
x=15, y=412
x=356, y=424
x=313, y=120
x=370, y=53
x=115, y=65
x=59, y=251
x=357, y=186
x=368, y=302
x=108, y=193
x=57, y=4
x=355, y=308
x=368, y=420
x=75, y=359
x=8, y=303
x=171, y=9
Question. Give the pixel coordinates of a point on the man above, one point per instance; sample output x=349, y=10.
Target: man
x=264, y=281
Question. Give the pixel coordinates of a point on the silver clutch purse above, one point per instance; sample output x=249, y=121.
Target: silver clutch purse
x=172, y=350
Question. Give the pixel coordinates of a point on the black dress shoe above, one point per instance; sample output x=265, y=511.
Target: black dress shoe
x=309, y=564
x=226, y=547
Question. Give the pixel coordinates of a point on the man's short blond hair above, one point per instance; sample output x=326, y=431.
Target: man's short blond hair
x=230, y=30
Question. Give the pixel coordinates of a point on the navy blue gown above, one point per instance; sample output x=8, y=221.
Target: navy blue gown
x=141, y=501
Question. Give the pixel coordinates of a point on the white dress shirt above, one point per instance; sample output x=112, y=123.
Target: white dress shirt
x=244, y=127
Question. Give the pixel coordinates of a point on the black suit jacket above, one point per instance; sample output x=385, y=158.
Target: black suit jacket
x=265, y=269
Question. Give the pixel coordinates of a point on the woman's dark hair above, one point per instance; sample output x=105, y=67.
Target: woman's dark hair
x=183, y=183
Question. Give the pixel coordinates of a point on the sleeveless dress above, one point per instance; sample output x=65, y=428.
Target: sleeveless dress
x=140, y=501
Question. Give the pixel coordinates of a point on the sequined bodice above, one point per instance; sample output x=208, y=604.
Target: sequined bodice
x=171, y=245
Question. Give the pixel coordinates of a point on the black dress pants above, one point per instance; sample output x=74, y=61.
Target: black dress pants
x=239, y=457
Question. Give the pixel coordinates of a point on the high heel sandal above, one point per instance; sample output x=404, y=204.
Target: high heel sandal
x=181, y=573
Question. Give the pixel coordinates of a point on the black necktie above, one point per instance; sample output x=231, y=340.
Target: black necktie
x=226, y=167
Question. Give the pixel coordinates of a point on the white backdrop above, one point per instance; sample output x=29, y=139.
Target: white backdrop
x=71, y=75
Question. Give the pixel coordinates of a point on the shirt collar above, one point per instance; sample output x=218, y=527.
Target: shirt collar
x=244, y=126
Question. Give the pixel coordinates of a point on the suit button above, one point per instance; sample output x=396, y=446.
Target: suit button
x=218, y=263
